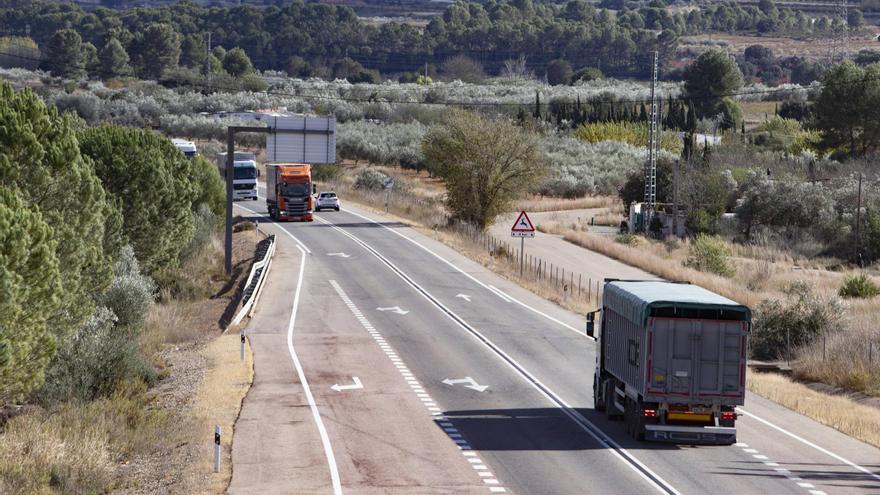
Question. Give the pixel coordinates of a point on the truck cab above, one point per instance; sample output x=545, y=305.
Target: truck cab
x=188, y=148
x=244, y=180
x=289, y=190
x=244, y=174
x=671, y=361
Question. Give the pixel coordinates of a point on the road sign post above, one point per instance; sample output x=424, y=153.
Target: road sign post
x=522, y=228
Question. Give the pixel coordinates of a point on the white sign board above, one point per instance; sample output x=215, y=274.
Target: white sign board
x=523, y=226
x=388, y=182
x=315, y=143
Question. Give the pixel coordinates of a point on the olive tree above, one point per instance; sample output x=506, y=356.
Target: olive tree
x=487, y=164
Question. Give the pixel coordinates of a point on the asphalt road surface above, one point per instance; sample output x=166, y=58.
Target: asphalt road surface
x=388, y=363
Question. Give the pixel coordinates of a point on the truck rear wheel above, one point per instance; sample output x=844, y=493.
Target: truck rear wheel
x=611, y=411
x=598, y=402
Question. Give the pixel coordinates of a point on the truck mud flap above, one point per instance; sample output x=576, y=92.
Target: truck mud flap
x=692, y=435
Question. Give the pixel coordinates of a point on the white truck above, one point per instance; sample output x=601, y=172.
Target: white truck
x=188, y=148
x=244, y=178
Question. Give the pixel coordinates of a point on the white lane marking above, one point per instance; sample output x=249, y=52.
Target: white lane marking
x=779, y=470
x=579, y=419
x=357, y=384
x=322, y=431
x=394, y=309
x=497, y=292
x=474, y=279
x=279, y=226
x=536, y=311
x=464, y=296
x=341, y=255
x=426, y=399
x=473, y=383
x=811, y=444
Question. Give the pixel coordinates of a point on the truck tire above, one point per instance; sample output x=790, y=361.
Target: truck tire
x=611, y=411
x=598, y=403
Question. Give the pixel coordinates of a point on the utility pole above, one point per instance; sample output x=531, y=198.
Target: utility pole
x=859, y=224
x=426, y=72
x=651, y=168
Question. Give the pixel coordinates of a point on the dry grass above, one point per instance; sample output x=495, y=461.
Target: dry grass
x=657, y=258
x=74, y=448
x=86, y=447
x=841, y=413
x=542, y=203
x=811, y=48
x=218, y=402
x=848, y=358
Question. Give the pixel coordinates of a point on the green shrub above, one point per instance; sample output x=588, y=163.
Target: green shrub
x=634, y=133
x=858, y=286
x=325, y=172
x=131, y=293
x=798, y=319
x=204, y=225
x=628, y=239
x=710, y=253
x=95, y=361
x=370, y=179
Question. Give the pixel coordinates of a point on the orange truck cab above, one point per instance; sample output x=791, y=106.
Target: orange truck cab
x=289, y=191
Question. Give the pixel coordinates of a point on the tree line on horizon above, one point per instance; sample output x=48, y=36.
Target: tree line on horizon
x=312, y=39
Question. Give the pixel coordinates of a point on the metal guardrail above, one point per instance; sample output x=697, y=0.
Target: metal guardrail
x=255, y=281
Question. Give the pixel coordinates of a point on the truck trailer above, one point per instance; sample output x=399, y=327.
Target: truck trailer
x=289, y=191
x=671, y=361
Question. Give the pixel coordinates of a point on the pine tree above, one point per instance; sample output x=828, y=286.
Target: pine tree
x=64, y=56
x=114, y=60
x=30, y=288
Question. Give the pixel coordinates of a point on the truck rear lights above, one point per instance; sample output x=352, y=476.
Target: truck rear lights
x=728, y=416
x=649, y=413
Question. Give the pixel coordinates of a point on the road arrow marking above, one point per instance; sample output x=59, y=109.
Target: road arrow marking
x=357, y=384
x=473, y=383
x=341, y=255
x=465, y=297
x=394, y=309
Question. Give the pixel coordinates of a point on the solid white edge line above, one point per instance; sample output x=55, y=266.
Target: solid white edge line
x=630, y=460
x=478, y=282
x=297, y=241
x=322, y=431
x=811, y=444
x=802, y=440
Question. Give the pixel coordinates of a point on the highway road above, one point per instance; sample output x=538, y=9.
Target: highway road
x=388, y=363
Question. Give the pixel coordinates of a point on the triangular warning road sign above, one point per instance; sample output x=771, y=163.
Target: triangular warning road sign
x=522, y=224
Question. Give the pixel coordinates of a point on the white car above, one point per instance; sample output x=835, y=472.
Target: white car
x=327, y=201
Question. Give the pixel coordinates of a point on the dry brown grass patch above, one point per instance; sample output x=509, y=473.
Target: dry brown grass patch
x=841, y=413
x=543, y=203
x=218, y=402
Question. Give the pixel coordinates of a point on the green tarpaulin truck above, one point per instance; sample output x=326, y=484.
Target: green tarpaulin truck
x=671, y=361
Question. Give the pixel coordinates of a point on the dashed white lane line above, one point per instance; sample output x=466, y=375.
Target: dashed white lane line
x=437, y=415
x=781, y=470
